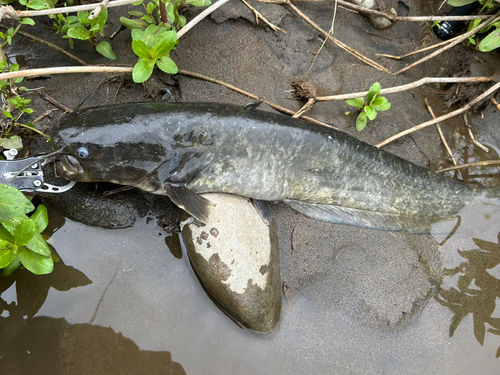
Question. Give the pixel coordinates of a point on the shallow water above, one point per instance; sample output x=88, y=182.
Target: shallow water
x=123, y=303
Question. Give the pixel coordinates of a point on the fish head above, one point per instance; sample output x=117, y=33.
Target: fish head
x=116, y=153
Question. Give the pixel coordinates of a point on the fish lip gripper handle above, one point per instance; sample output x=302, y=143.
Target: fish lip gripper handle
x=31, y=180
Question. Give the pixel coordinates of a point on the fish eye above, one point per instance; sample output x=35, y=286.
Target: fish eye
x=82, y=153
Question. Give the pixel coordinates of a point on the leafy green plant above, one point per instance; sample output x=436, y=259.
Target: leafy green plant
x=490, y=41
x=21, y=242
x=153, y=47
x=161, y=11
x=370, y=106
x=154, y=35
x=82, y=28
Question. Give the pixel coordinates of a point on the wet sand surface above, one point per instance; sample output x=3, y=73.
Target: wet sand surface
x=356, y=301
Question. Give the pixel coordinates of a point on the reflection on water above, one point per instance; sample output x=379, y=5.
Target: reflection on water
x=477, y=290
x=44, y=345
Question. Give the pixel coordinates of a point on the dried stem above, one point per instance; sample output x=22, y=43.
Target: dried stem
x=199, y=17
x=470, y=165
x=65, y=70
x=442, y=118
x=57, y=48
x=259, y=15
x=324, y=41
x=495, y=103
x=389, y=16
x=457, y=40
x=255, y=97
x=473, y=139
x=418, y=51
x=441, y=135
x=408, y=86
x=345, y=47
x=95, y=13
x=5, y=13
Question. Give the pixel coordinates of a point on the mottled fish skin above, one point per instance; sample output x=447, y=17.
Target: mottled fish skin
x=210, y=147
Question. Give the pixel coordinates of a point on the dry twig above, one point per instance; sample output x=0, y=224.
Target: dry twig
x=495, y=103
x=53, y=101
x=473, y=139
x=418, y=51
x=442, y=118
x=441, y=135
x=470, y=165
x=65, y=70
x=345, y=47
x=57, y=48
x=324, y=41
x=392, y=90
x=255, y=97
x=9, y=12
x=457, y=40
x=199, y=17
x=259, y=15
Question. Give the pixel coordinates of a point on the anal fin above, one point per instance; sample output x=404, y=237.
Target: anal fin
x=191, y=202
x=363, y=218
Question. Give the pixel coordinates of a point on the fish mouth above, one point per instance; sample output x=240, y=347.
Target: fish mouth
x=69, y=168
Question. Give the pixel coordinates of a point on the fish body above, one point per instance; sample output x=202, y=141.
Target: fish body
x=185, y=149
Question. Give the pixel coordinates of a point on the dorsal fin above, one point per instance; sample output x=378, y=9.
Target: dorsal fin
x=253, y=105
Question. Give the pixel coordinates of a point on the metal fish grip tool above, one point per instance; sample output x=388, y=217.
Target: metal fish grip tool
x=26, y=174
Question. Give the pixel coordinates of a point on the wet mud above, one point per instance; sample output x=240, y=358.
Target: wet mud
x=355, y=300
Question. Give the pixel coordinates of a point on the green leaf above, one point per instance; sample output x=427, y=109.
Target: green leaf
x=165, y=42
x=133, y=24
x=143, y=70
x=73, y=20
x=18, y=80
x=83, y=17
x=12, y=142
x=358, y=102
x=26, y=21
x=37, y=4
x=5, y=234
x=99, y=22
x=78, y=33
x=490, y=42
x=150, y=8
x=370, y=113
x=13, y=203
x=41, y=218
x=137, y=14
x=137, y=3
x=24, y=232
x=380, y=104
x=137, y=34
x=105, y=49
x=141, y=49
x=361, y=121
x=166, y=64
x=199, y=3
x=170, y=12
x=12, y=267
x=460, y=3
x=373, y=92
x=35, y=263
x=6, y=257
x=181, y=21
x=8, y=115
x=39, y=245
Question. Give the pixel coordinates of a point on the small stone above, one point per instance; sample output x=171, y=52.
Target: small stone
x=241, y=266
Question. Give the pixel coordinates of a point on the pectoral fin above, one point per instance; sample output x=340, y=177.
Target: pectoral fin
x=191, y=202
x=264, y=210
